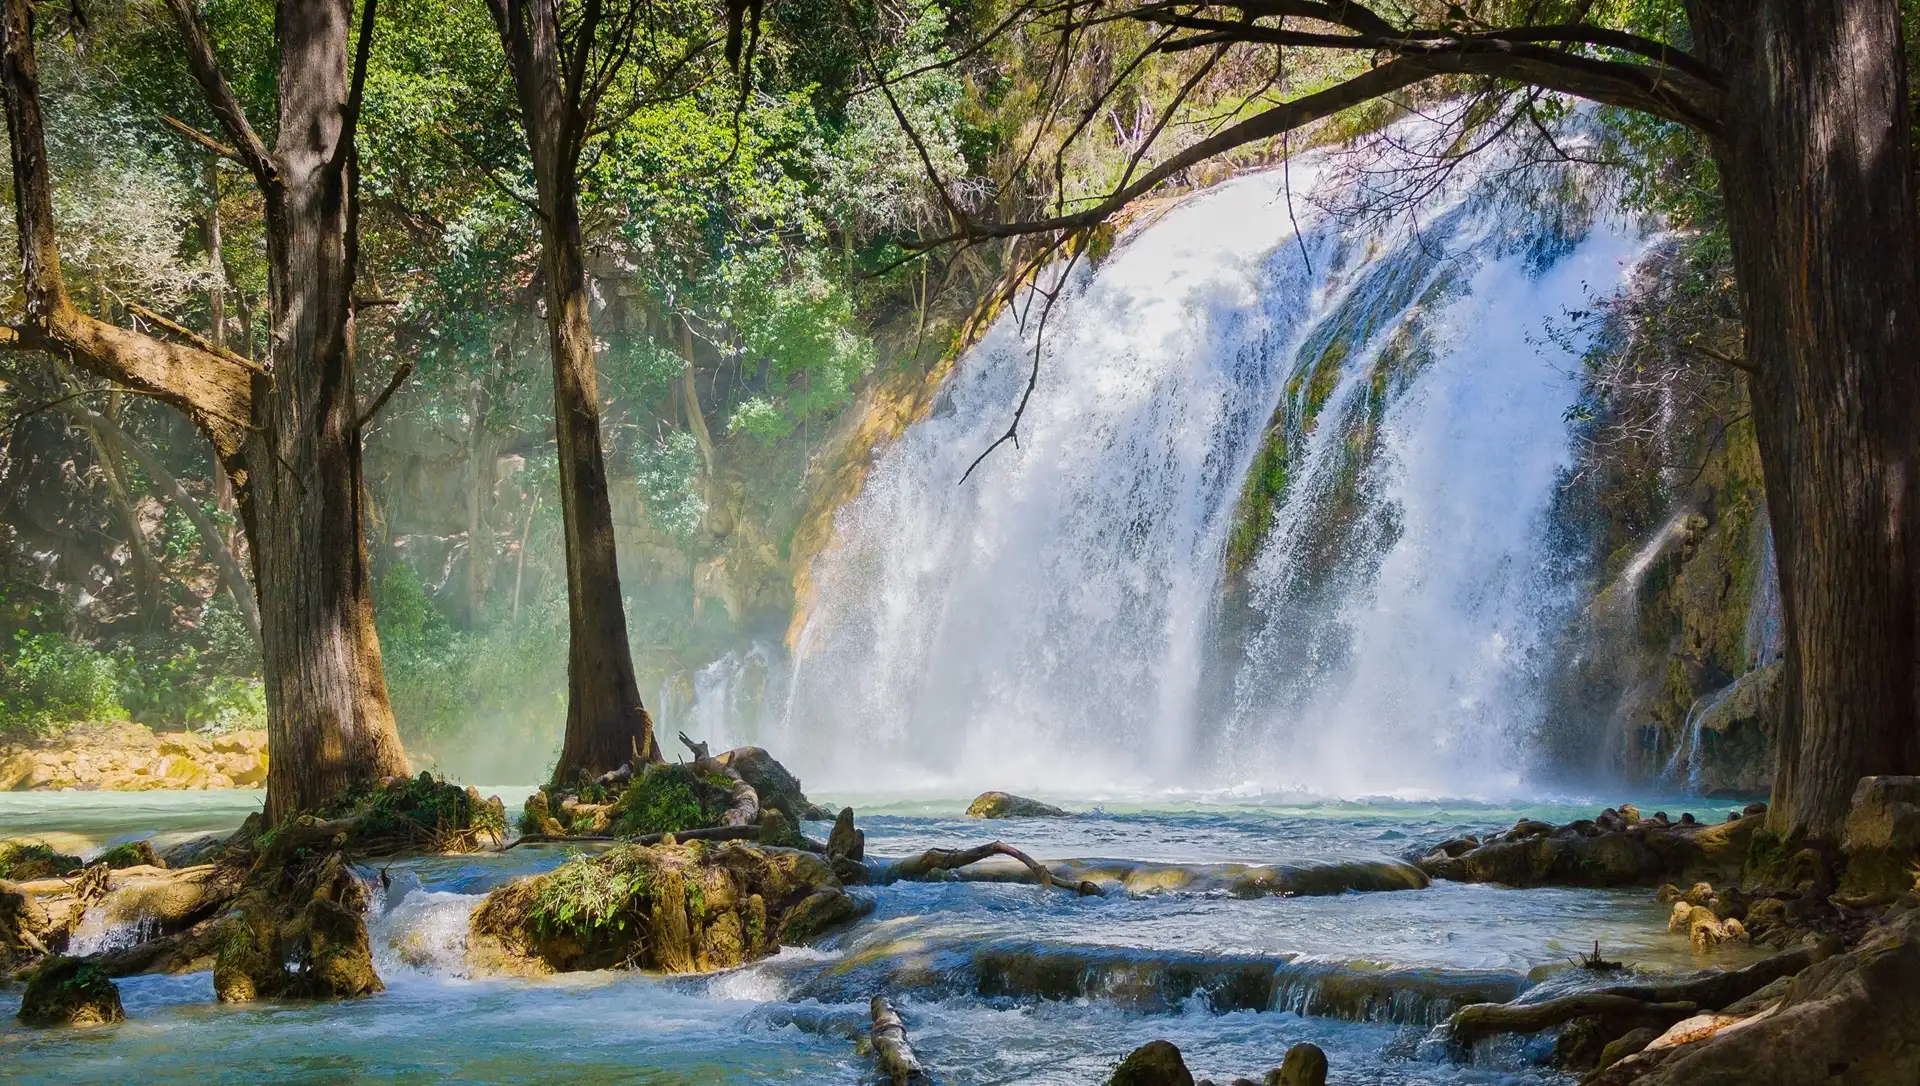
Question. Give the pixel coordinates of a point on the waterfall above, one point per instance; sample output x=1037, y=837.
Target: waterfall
x=1068, y=618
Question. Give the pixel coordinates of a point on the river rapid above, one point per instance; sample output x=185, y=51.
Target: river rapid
x=997, y=983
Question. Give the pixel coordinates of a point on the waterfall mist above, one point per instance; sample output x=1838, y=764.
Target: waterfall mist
x=1066, y=618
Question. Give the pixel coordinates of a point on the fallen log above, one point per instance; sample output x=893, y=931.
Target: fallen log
x=1481, y=1020
x=891, y=1049
x=938, y=860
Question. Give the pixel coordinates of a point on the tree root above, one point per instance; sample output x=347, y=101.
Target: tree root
x=1659, y=1004
x=891, y=1050
x=936, y=860
x=1481, y=1020
x=745, y=806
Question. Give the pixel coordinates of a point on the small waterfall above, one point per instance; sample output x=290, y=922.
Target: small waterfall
x=1057, y=621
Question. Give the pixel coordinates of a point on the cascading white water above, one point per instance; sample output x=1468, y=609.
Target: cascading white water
x=1054, y=620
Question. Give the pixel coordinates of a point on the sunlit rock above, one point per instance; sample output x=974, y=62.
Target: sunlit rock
x=1004, y=805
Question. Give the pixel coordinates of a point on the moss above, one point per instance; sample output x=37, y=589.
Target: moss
x=24, y=860
x=70, y=992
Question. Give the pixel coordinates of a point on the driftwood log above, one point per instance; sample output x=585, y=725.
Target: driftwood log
x=744, y=807
x=1659, y=1004
x=707, y=833
x=939, y=860
x=891, y=1049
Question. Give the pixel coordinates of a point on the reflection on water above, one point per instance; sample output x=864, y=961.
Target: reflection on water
x=999, y=983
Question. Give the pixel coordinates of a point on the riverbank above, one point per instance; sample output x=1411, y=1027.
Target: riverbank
x=127, y=757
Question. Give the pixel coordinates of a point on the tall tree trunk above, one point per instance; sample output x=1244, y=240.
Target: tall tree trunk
x=606, y=723
x=1817, y=172
x=328, y=722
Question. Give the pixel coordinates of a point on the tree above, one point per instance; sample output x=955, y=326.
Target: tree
x=562, y=81
x=286, y=431
x=1805, y=105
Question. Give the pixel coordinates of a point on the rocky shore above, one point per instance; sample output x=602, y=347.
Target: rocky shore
x=129, y=757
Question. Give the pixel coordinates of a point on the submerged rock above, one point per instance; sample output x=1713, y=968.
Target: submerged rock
x=1143, y=877
x=671, y=908
x=70, y=992
x=1156, y=1063
x=1005, y=805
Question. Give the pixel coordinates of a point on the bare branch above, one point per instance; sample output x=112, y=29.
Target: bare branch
x=400, y=375
x=224, y=150
x=248, y=148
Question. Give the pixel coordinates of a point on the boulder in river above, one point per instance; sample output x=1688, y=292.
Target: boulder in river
x=1006, y=805
x=70, y=992
x=672, y=908
x=1305, y=1065
x=23, y=860
x=1156, y=1063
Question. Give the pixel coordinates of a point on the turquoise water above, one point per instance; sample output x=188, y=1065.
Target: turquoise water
x=998, y=983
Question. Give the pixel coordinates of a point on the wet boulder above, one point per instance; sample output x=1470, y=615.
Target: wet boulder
x=1006, y=805
x=131, y=854
x=1156, y=1063
x=670, y=908
x=1619, y=848
x=1305, y=1065
x=778, y=789
x=70, y=992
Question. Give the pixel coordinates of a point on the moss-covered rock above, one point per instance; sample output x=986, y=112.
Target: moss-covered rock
x=1156, y=1063
x=1305, y=1065
x=131, y=854
x=1006, y=805
x=669, y=908
x=70, y=992
x=1610, y=851
x=23, y=859
x=779, y=790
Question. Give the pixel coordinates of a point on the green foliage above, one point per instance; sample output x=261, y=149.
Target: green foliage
x=586, y=898
x=668, y=472
x=441, y=680
x=183, y=688
x=49, y=680
x=668, y=799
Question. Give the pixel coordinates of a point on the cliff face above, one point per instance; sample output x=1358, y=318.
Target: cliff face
x=1677, y=650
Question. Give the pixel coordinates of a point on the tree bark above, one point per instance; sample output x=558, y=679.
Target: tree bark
x=1816, y=167
x=328, y=722
x=607, y=725
x=289, y=439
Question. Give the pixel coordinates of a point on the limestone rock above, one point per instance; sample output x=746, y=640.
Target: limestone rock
x=676, y=908
x=1617, y=849
x=777, y=788
x=1881, y=840
x=70, y=992
x=1005, y=805
x=1156, y=1063
x=1853, y=1018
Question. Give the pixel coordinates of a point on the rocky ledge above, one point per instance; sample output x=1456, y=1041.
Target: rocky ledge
x=1617, y=848
x=129, y=757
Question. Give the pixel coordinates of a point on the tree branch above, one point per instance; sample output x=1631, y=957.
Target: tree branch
x=197, y=339
x=247, y=146
x=224, y=150
x=400, y=375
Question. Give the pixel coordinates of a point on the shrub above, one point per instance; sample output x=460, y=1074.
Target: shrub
x=48, y=680
x=668, y=799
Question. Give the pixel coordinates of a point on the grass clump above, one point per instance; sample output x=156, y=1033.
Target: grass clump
x=670, y=799
x=588, y=899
